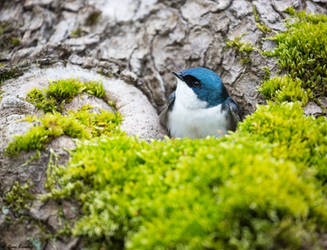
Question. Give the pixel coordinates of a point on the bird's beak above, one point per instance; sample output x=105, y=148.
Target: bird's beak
x=178, y=75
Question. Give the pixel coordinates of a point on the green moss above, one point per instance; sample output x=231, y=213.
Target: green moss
x=18, y=197
x=205, y=209
x=76, y=33
x=8, y=72
x=64, y=90
x=40, y=101
x=51, y=176
x=105, y=72
x=311, y=18
x=15, y=41
x=302, y=51
x=290, y=10
x=262, y=187
x=295, y=136
x=252, y=189
x=239, y=46
x=80, y=124
x=249, y=190
x=243, y=49
x=61, y=92
x=261, y=25
x=95, y=88
x=267, y=73
x=93, y=18
x=285, y=89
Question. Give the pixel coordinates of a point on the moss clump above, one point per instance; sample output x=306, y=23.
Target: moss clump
x=242, y=200
x=290, y=10
x=266, y=72
x=64, y=90
x=253, y=189
x=60, y=92
x=94, y=88
x=285, y=89
x=302, y=51
x=7, y=72
x=76, y=33
x=41, y=101
x=262, y=187
x=240, y=46
x=18, y=197
x=15, y=41
x=243, y=49
x=80, y=124
x=296, y=137
x=249, y=190
x=261, y=25
x=93, y=18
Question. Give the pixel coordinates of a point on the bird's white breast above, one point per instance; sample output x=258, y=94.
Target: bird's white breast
x=190, y=117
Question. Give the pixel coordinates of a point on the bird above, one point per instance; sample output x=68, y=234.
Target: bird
x=200, y=106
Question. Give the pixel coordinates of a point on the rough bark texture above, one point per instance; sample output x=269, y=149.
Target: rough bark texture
x=143, y=41
x=138, y=42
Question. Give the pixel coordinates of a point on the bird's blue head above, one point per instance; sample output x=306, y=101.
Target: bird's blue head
x=205, y=83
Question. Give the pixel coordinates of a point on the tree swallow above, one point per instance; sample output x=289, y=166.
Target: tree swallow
x=200, y=106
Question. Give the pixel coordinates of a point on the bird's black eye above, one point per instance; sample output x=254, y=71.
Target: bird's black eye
x=191, y=81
